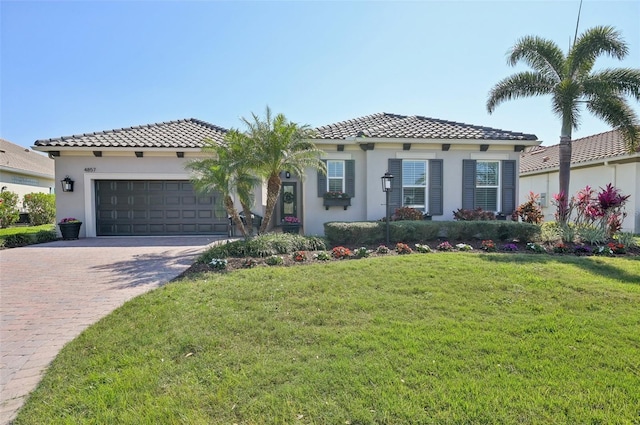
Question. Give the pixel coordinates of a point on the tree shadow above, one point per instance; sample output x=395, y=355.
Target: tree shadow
x=592, y=264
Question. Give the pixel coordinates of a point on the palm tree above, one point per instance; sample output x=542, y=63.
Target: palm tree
x=222, y=172
x=570, y=82
x=277, y=145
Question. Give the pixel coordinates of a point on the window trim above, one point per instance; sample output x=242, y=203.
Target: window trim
x=343, y=178
x=497, y=187
x=424, y=207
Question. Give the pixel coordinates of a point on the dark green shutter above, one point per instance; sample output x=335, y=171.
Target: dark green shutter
x=350, y=175
x=395, y=168
x=322, y=181
x=509, y=181
x=468, y=184
x=435, y=187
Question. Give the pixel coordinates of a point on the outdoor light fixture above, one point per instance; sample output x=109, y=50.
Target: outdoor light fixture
x=67, y=184
x=387, y=179
x=287, y=174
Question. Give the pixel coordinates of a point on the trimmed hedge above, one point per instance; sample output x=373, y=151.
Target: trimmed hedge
x=373, y=232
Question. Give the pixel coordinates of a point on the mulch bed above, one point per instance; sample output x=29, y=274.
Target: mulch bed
x=240, y=263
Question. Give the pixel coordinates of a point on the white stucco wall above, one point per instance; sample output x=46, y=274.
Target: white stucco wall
x=625, y=177
x=23, y=183
x=370, y=165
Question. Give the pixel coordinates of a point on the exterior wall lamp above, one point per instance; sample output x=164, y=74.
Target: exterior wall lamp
x=67, y=184
x=387, y=179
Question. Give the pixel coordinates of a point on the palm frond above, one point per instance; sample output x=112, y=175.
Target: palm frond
x=615, y=111
x=523, y=84
x=565, y=103
x=620, y=81
x=542, y=55
x=592, y=43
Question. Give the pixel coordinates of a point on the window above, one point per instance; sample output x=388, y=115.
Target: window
x=414, y=184
x=335, y=176
x=488, y=185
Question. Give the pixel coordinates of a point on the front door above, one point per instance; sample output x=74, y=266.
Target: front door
x=288, y=200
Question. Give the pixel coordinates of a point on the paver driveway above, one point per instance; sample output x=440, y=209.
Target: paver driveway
x=50, y=293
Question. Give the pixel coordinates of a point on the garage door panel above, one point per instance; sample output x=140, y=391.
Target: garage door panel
x=155, y=208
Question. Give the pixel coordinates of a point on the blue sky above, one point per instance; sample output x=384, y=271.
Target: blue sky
x=82, y=66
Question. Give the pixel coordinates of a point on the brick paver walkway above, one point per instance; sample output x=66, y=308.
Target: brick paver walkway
x=50, y=293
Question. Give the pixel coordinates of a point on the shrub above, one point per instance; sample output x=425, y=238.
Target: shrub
x=424, y=249
x=444, y=246
x=403, y=248
x=263, y=246
x=529, y=211
x=361, y=252
x=9, y=212
x=357, y=233
x=592, y=234
x=489, y=246
x=626, y=239
x=299, y=256
x=274, y=260
x=407, y=213
x=249, y=263
x=473, y=215
x=550, y=232
x=581, y=249
x=46, y=236
x=218, y=264
x=617, y=248
x=537, y=248
x=510, y=247
x=464, y=247
x=322, y=256
x=340, y=252
x=560, y=248
x=382, y=249
x=41, y=208
x=17, y=240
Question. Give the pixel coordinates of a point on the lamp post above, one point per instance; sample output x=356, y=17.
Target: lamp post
x=386, y=188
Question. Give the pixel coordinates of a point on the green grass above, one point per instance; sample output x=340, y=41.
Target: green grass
x=444, y=338
x=25, y=229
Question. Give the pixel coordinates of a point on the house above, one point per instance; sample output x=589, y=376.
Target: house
x=24, y=171
x=595, y=161
x=132, y=181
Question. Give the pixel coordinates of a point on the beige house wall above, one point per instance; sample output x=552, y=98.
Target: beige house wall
x=24, y=183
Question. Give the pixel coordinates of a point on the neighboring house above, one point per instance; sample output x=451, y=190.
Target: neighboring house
x=595, y=161
x=132, y=181
x=24, y=171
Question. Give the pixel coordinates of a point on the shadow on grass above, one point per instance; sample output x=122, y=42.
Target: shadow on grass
x=594, y=265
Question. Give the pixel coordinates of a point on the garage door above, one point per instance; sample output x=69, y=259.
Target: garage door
x=167, y=207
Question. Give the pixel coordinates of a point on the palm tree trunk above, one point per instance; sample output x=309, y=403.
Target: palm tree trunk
x=235, y=217
x=564, y=173
x=248, y=218
x=273, y=191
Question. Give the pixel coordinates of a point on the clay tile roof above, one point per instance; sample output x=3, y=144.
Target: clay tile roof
x=609, y=144
x=24, y=160
x=395, y=126
x=186, y=133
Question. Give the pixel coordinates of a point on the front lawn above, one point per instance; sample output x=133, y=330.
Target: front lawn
x=442, y=338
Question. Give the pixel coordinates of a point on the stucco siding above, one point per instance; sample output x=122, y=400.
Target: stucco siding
x=24, y=183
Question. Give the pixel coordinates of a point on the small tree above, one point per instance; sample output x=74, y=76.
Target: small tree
x=41, y=208
x=9, y=212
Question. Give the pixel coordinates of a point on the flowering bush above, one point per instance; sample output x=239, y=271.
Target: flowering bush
x=537, y=248
x=274, y=260
x=603, y=250
x=403, y=248
x=510, y=247
x=336, y=195
x=464, y=247
x=488, y=246
x=361, y=252
x=291, y=220
x=69, y=220
x=322, y=256
x=382, y=249
x=617, y=248
x=341, y=252
x=424, y=249
x=299, y=256
x=218, y=264
x=444, y=246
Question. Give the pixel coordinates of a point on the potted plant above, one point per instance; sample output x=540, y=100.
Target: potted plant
x=340, y=199
x=69, y=228
x=291, y=224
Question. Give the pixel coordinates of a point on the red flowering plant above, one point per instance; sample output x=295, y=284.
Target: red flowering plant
x=403, y=248
x=299, y=256
x=291, y=220
x=340, y=252
x=617, y=248
x=488, y=245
